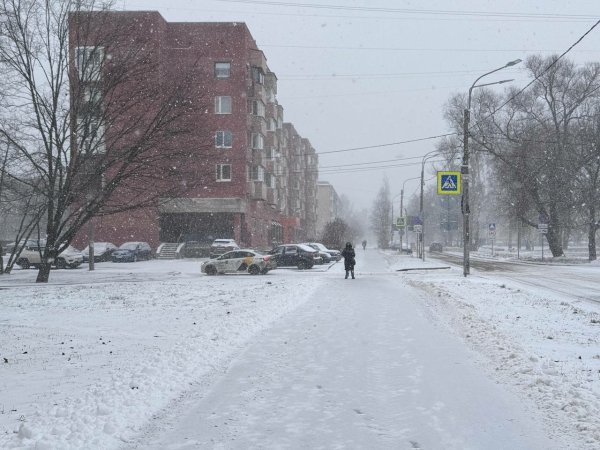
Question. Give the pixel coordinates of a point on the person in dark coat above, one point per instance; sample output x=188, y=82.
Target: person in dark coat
x=364, y=243
x=349, y=259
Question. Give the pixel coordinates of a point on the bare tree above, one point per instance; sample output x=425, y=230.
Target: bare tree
x=98, y=123
x=531, y=144
x=380, y=217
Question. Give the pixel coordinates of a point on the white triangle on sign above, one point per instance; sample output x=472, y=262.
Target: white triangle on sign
x=449, y=185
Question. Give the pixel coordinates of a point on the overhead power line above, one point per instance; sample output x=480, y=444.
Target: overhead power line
x=543, y=72
x=436, y=12
x=371, y=17
x=417, y=49
x=489, y=115
x=388, y=145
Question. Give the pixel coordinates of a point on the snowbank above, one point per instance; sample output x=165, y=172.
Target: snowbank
x=541, y=347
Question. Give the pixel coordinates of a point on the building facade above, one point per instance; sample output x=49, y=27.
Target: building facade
x=328, y=204
x=260, y=185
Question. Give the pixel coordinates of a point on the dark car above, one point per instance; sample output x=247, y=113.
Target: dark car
x=435, y=247
x=132, y=252
x=298, y=255
x=102, y=252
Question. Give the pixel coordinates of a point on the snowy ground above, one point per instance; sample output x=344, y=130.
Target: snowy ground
x=123, y=356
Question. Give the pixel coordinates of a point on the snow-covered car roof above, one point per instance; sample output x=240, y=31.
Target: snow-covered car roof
x=306, y=248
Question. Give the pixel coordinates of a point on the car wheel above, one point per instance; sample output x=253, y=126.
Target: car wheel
x=211, y=270
x=254, y=270
x=265, y=271
x=74, y=265
x=61, y=264
x=302, y=265
x=24, y=263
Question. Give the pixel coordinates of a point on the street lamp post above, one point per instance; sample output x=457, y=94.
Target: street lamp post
x=465, y=167
x=392, y=232
x=401, y=209
x=422, y=236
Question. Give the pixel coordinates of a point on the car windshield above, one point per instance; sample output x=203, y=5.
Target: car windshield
x=306, y=248
x=129, y=246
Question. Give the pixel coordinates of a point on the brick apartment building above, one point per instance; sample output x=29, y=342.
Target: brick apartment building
x=262, y=186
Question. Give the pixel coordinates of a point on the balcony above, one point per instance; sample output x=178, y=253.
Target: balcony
x=259, y=158
x=260, y=191
x=272, y=198
x=257, y=91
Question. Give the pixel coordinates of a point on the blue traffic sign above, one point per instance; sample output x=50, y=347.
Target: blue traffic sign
x=448, y=183
x=543, y=218
x=492, y=226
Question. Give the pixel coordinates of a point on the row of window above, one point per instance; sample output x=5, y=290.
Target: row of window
x=224, y=139
x=257, y=173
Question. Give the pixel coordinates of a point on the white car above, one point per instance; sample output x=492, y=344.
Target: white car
x=221, y=246
x=70, y=257
x=31, y=257
x=239, y=261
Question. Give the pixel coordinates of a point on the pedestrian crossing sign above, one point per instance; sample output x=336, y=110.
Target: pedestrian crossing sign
x=448, y=183
x=400, y=221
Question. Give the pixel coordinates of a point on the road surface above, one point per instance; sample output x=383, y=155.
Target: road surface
x=358, y=366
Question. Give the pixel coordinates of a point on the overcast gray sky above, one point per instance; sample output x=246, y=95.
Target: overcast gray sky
x=353, y=73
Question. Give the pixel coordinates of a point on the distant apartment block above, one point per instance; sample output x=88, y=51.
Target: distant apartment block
x=328, y=205
x=262, y=187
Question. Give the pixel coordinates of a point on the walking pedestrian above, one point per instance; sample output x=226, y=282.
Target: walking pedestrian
x=349, y=259
x=364, y=243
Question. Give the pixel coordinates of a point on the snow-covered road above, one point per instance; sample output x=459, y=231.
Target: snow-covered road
x=361, y=367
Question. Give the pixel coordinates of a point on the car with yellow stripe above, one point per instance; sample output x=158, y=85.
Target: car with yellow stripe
x=239, y=261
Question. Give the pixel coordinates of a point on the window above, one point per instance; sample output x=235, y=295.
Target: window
x=258, y=108
x=257, y=173
x=223, y=172
x=271, y=124
x=223, y=139
x=270, y=96
x=270, y=180
x=89, y=62
x=258, y=75
x=279, y=123
x=222, y=70
x=90, y=130
x=271, y=152
x=223, y=105
x=258, y=141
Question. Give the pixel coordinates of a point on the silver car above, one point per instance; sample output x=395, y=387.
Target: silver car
x=239, y=261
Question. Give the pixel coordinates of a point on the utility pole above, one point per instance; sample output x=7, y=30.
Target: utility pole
x=464, y=170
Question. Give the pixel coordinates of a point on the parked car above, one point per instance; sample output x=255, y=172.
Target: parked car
x=132, y=251
x=435, y=247
x=31, y=256
x=325, y=258
x=336, y=255
x=70, y=257
x=102, y=251
x=239, y=261
x=221, y=246
x=298, y=255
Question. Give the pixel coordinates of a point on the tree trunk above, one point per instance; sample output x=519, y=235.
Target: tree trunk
x=592, y=234
x=43, y=272
x=554, y=235
x=1, y=261
x=554, y=242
